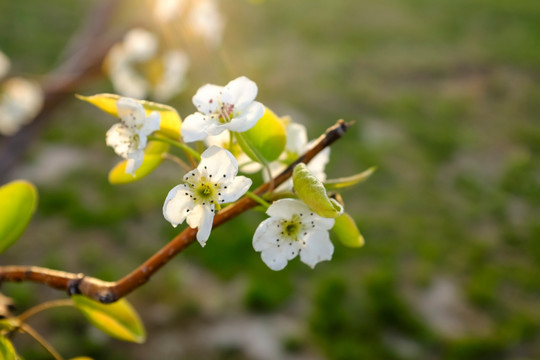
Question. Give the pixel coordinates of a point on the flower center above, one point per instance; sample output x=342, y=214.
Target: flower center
x=206, y=192
x=291, y=228
x=226, y=113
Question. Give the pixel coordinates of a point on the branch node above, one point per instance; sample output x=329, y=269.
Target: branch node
x=73, y=285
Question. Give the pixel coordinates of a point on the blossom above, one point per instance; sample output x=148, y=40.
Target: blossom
x=129, y=136
x=20, y=101
x=138, y=68
x=231, y=107
x=204, y=190
x=293, y=229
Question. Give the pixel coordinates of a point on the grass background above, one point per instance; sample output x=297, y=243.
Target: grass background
x=445, y=99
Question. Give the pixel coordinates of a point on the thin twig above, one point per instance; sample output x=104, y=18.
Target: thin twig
x=107, y=292
x=44, y=306
x=33, y=333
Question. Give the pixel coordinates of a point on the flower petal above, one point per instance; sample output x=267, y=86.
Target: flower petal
x=131, y=113
x=118, y=137
x=247, y=118
x=296, y=138
x=219, y=163
x=201, y=217
x=318, y=248
x=206, y=98
x=151, y=124
x=194, y=127
x=266, y=234
x=235, y=189
x=135, y=160
x=286, y=208
x=240, y=92
x=275, y=258
x=177, y=204
x=318, y=163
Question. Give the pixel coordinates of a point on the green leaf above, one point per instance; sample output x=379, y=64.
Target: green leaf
x=7, y=351
x=170, y=121
x=311, y=191
x=266, y=139
x=347, y=232
x=153, y=156
x=118, y=319
x=349, y=180
x=18, y=201
x=81, y=358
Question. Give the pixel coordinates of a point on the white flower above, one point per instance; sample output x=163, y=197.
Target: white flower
x=129, y=136
x=231, y=107
x=297, y=144
x=293, y=229
x=137, y=68
x=20, y=101
x=211, y=184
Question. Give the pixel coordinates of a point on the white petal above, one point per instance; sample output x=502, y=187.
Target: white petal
x=266, y=234
x=286, y=208
x=206, y=98
x=296, y=138
x=131, y=113
x=221, y=140
x=135, y=160
x=219, y=163
x=247, y=119
x=176, y=205
x=175, y=65
x=151, y=124
x=140, y=44
x=194, y=127
x=201, y=217
x=240, y=92
x=318, y=248
x=235, y=189
x=318, y=163
x=275, y=258
x=119, y=138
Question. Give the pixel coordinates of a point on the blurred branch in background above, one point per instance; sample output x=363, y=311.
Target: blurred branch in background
x=83, y=55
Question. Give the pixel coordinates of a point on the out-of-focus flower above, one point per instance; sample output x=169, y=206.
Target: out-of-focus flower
x=138, y=68
x=4, y=64
x=211, y=184
x=201, y=17
x=297, y=144
x=293, y=229
x=20, y=101
x=231, y=107
x=128, y=138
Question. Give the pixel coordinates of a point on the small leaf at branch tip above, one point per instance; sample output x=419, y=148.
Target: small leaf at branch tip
x=119, y=319
x=347, y=232
x=18, y=200
x=311, y=191
x=7, y=351
x=349, y=181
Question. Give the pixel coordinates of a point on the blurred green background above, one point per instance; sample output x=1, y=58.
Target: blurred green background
x=445, y=99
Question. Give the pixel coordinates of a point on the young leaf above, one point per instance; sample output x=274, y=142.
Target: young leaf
x=152, y=158
x=7, y=351
x=349, y=180
x=118, y=319
x=170, y=121
x=267, y=138
x=311, y=191
x=347, y=232
x=18, y=201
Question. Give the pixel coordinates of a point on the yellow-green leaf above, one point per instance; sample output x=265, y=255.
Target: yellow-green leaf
x=170, y=121
x=81, y=358
x=311, y=191
x=7, y=351
x=153, y=156
x=266, y=139
x=118, y=319
x=18, y=201
x=349, y=180
x=347, y=232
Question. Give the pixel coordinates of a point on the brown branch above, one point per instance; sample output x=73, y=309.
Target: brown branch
x=107, y=292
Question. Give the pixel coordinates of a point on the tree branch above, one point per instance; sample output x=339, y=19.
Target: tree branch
x=107, y=292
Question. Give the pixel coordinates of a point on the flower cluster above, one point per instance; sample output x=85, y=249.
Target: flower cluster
x=138, y=68
x=238, y=129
